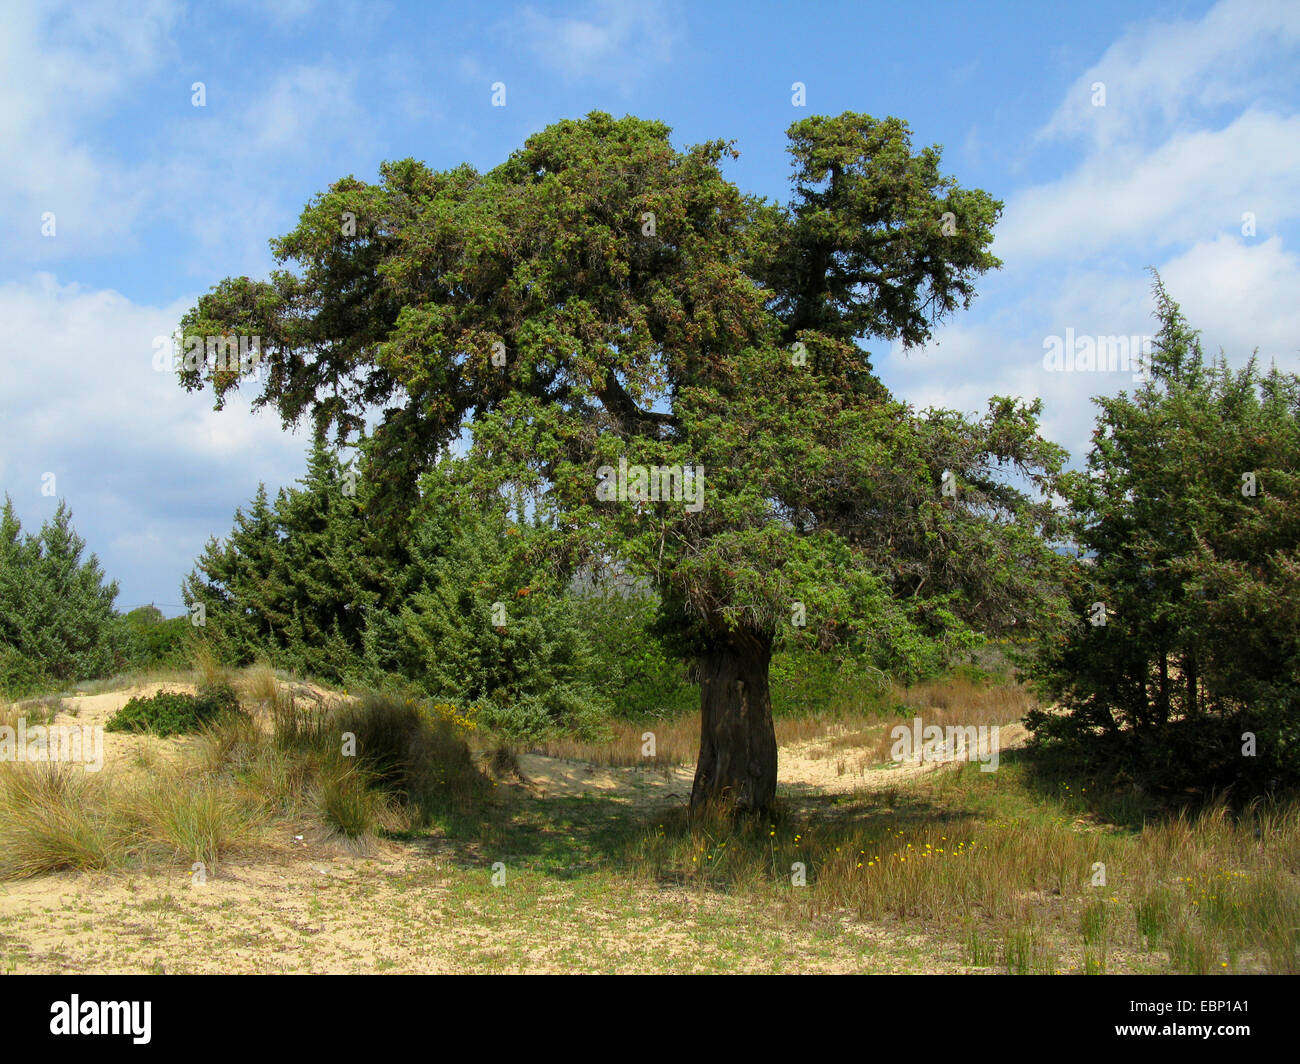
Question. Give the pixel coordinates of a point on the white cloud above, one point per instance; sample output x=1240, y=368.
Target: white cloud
x=1183, y=148
x=1241, y=296
x=149, y=470
x=617, y=40
x=214, y=171
x=61, y=65
x=1161, y=72
x=1195, y=183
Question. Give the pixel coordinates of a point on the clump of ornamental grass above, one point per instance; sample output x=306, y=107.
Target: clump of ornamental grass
x=54, y=817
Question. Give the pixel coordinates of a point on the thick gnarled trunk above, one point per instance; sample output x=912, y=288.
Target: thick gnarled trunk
x=737, y=762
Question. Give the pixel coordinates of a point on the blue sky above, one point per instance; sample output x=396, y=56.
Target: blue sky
x=154, y=199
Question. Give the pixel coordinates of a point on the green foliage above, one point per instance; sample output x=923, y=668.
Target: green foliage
x=863, y=198
x=643, y=678
x=20, y=676
x=603, y=300
x=175, y=713
x=381, y=760
x=56, y=612
x=804, y=680
x=419, y=759
x=147, y=640
x=1199, y=579
x=481, y=622
x=293, y=580
x=673, y=348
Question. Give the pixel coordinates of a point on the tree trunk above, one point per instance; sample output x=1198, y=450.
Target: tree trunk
x=737, y=763
x=1164, y=688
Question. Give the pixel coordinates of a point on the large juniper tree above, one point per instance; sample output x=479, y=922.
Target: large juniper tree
x=602, y=295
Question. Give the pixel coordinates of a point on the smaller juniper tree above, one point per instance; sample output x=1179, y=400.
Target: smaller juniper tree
x=1182, y=666
x=57, y=622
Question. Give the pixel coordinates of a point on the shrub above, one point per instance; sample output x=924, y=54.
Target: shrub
x=1177, y=671
x=803, y=680
x=380, y=761
x=620, y=625
x=483, y=618
x=146, y=640
x=417, y=756
x=174, y=712
x=574, y=710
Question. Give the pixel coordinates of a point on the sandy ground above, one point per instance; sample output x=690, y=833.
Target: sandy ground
x=321, y=916
x=814, y=765
x=123, y=752
x=316, y=908
x=558, y=777
x=126, y=754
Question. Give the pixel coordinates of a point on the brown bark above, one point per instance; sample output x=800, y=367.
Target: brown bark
x=737, y=762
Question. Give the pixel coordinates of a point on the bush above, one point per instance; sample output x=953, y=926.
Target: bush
x=481, y=621
x=1178, y=670
x=1197, y=756
x=803, y=679
x=175, y=713
x=20, y=676
x=573, y=710
x=147, y=640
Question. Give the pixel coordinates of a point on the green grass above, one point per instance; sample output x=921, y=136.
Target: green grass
x=1011, y=889
x=55, y=817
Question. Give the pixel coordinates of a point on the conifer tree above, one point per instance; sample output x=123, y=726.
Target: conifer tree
x=239, y=582
x=57, y=620
x=294, y=579
x=1182, y=665
x=477, y=619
